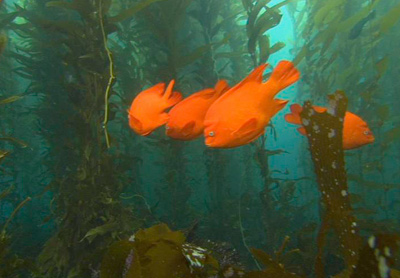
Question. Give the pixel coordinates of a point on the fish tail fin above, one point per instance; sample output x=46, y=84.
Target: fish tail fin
x=221, y=87
x=284, y=75
x=294, y=116
x=171, y=97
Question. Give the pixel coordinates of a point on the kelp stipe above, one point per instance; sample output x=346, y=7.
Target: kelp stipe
x=324, y=132
x=87, y=179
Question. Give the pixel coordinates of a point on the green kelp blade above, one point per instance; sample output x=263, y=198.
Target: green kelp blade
x=7, y=18
x=264, y=47
x=132, y=11
x=100, y=230
x=6, y=191
x=62, y=4
x=3, y=154
x=390, y=19
x=10, y=99
x=277, y=46
x=15, y=141
x=382, y=65
x=255, y=13
x=283, y=3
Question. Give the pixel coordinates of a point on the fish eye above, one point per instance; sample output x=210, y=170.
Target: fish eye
x=167, y=127
x=211, y=134
x=367, y=132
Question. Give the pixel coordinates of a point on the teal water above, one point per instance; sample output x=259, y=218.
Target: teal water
x=82, y=194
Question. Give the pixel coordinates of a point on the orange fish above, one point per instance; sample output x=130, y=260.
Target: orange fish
x=356, y=132
x=186, y=119
x=147, y=111
x=242, y=113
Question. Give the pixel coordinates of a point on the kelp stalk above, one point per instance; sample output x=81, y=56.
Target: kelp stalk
x=14, y=213
x=112, y=75
x=324, y=132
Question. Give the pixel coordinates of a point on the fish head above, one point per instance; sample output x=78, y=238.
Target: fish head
x=356, y=133
x=140, y=127
x=366, y=136
x=219, y=136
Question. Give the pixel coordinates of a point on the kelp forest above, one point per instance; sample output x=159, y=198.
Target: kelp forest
x=83, y=196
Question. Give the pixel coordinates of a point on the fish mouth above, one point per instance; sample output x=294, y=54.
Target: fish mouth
x=209, y=141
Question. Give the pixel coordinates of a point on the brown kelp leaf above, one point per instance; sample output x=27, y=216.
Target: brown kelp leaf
x=115, y=259
x=272, y=269
x=382, y=65
x=160, y=232
x=264, y=47
x=125, y=14
x=264, y=258
x=3, y=42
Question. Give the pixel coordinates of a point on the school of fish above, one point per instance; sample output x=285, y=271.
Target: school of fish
x=230, y=117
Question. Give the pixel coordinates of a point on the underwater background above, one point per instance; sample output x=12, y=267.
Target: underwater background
x=82, y=195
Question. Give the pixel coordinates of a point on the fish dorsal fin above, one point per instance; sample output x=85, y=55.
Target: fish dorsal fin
x=294, y=116
x=255, y=76
x=278, y=105
x=221, y=87
x=320, y=109
x=296, y=109
x=168, y=91
x=247, y=128
x=188, y=128
x=171, y=97
x=302, y=130
x=207, y=93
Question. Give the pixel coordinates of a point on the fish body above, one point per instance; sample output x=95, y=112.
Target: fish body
x=186, y=119
x=242, y=113
x=356, y=132
x=148, y=109
x=356, y=30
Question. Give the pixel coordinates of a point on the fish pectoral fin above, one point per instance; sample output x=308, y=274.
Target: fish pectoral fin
x=163, y=119
x=134, y=122
x=302, y=130
x=247, y=128
x=188, y=128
